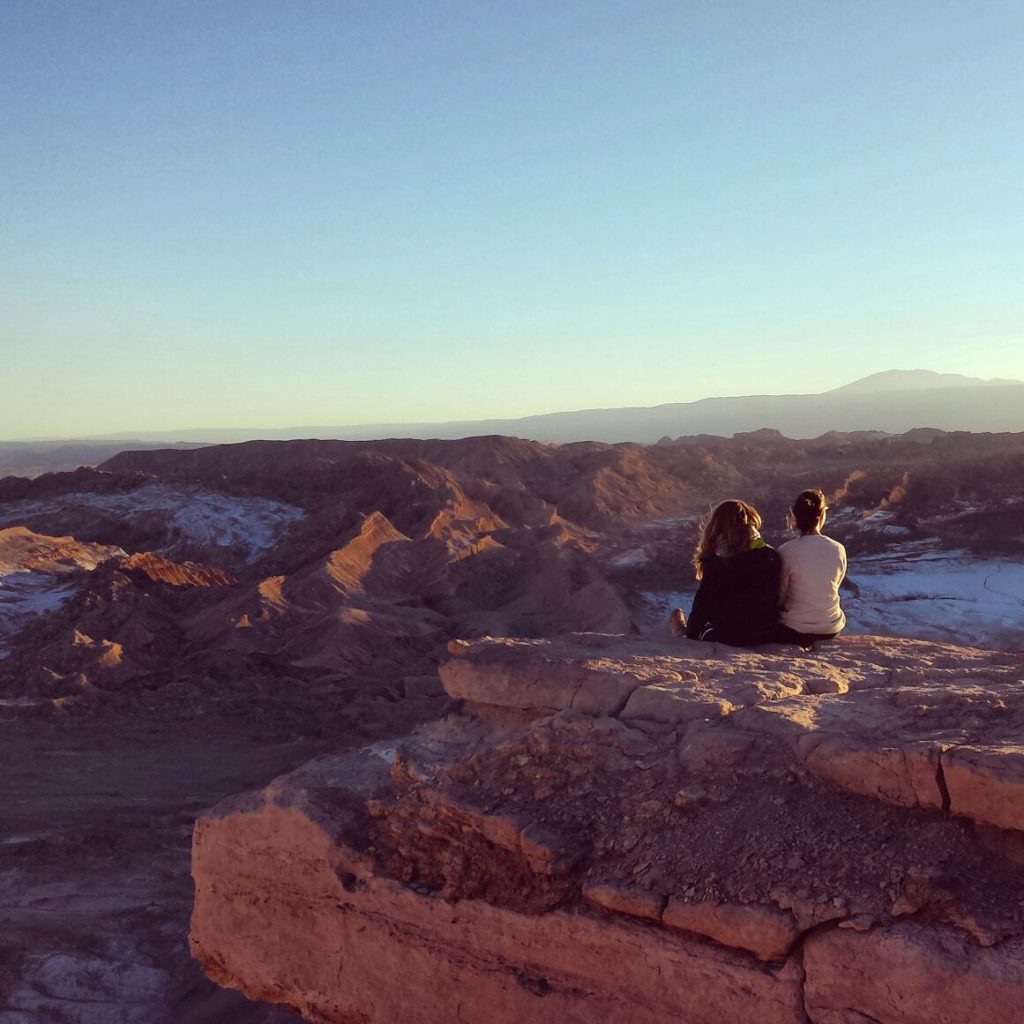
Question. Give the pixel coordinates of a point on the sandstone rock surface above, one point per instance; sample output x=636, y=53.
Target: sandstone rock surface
x=22, y=550
x=832, y=841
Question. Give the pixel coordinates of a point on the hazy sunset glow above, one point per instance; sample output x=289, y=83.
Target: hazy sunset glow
x=248, y=214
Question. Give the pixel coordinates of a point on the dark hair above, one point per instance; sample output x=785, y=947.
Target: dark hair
x=807, y=509
x=726, y=530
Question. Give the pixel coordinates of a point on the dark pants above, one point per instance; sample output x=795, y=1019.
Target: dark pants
x=785, y=635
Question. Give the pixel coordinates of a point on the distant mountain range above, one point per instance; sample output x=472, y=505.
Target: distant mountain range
x=893, y=402
x=33, y=458
x=918, y=380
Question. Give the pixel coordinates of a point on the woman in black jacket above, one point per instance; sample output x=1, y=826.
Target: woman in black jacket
x=737, y=601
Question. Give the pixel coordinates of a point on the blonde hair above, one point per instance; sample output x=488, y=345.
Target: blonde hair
x=726, y=530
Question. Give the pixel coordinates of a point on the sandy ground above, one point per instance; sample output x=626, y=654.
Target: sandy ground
x=95, y=893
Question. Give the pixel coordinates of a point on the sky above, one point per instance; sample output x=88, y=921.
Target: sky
x=269, y=214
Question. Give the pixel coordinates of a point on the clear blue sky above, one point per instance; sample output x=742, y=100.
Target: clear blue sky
x=270, y=213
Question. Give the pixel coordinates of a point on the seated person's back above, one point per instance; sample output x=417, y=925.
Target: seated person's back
x=737, y=600
x=813, y=567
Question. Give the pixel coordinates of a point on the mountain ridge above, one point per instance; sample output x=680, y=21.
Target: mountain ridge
x=926, y=399
x=914, y=380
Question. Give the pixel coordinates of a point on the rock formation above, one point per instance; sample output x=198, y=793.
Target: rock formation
x=178, y=626
x=22, y=550
x=623, y=830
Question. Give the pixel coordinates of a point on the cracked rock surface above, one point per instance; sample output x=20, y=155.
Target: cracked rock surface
x=612, y=829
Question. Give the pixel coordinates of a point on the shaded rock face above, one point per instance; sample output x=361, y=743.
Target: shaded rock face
x=40, y=574
x=384, y=558
x=625, y=830
x=89, y=620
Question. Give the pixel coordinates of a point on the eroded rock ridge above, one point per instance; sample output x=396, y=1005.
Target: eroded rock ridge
x=606, y=829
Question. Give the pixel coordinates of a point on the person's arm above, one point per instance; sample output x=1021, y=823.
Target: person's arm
x=764, y=580
x=785, y=574
x=703, y=601
x=698, y=617
x=764, y=617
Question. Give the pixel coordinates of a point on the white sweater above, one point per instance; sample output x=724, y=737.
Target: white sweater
x=813, y=566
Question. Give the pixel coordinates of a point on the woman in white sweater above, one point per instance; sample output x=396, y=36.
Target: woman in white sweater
x=813, y=566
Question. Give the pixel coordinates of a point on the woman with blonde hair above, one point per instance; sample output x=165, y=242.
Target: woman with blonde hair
x=737, y=600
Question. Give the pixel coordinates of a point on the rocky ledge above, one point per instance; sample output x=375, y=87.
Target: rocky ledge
x=614, y=830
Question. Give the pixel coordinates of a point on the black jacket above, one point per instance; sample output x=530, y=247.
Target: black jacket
x=737, y=601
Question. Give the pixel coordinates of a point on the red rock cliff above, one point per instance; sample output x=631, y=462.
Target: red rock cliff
x=619, y=831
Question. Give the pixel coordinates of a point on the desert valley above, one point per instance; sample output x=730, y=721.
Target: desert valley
x=377, y=382
x=505, y=818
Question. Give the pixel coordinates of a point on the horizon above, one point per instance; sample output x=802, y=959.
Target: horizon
x=956, y=382
x=241, y=216
x=383, y=423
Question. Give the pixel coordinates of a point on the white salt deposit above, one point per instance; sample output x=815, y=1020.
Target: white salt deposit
x=27, y=594
x=880, y=522
x=939, y=595
x=662, y=602
x=630, y=559
x=194, y=518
